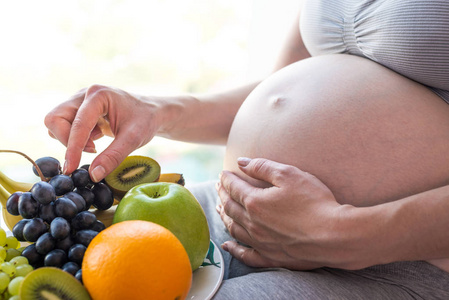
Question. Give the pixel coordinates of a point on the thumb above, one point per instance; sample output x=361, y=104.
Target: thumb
x=265, y=170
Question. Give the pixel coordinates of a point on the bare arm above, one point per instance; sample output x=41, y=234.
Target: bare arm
x=293, y=49
x=413, y=228
x=213, y=114
x=133, y=120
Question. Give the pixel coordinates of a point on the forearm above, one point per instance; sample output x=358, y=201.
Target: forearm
x=204, y=118
x=208, y=118
x=413, y=228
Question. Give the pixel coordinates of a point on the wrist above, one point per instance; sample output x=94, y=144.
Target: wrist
x=359, y=238
x=171, y=113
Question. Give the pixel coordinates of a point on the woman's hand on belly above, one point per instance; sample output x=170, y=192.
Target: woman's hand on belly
x=296, y=222
x=285, y=225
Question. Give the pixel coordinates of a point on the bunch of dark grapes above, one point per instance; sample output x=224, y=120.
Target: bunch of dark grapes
x=56, y=217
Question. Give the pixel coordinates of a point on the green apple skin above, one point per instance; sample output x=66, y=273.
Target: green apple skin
x=172, y=206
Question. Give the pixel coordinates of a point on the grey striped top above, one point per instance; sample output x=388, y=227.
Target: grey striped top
x=410, y=37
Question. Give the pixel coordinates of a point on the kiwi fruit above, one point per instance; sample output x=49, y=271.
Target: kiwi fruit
x=134, y=170
x=52, y=283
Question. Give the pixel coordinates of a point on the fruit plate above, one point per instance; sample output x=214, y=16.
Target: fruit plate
x=208, y=277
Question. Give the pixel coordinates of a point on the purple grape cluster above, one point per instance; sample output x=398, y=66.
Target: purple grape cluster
x=56, y=216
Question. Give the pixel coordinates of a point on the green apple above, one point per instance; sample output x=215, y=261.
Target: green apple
x=172, y=206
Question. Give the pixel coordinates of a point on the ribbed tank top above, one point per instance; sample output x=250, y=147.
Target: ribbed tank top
x=410, y=37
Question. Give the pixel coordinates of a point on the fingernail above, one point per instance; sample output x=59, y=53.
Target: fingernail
x=218, y=208
x=90, y=150
x=224, y=246
x=243, y=161
x=217, y=185
x=64, y=168
x=98, y=173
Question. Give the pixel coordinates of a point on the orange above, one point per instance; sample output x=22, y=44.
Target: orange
x=136, y=260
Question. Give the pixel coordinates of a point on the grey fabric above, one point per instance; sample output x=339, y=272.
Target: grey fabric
x=401, y=280
x=410, y=37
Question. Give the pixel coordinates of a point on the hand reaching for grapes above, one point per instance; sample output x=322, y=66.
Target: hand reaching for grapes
x=97, y=111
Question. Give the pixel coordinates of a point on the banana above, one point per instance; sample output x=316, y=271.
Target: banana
x=13, y=186
x=172, y=177
x=105, y=216
x=9, y=219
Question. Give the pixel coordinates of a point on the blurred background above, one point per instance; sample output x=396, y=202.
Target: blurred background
x=51, y=49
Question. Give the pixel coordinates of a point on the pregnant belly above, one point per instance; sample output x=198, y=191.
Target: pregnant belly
x=369, y=134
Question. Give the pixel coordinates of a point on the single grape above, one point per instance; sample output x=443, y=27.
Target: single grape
x=19, y=260
x=59, y=228
x=62, y=184
x=77, y=199
x=55, y=258
x=32, y=255
x=43, y=192
x=65, y=208
x=47, y=212
x=23, y=270
x=14, y=285
x=83, y=220
x=12, y=204
x=103, y=196
x=87, y=194
x=11, y=253
x=2, y=236
x=76, y=253
x=15, y=297
x=8, y=268
x=85, y=236
x=81, y=177
x=85, y=167
x=65, y=244
x=45, y=243
x=28, y=206
x=71, y=267
x=4, y=281
x=34, y=229
x=11, y=242
x=79, y=275
x=48, y=165
x=2, y=253
x=98, y=226
x=17, y=230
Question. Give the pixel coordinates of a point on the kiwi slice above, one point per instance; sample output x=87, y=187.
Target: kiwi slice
x=52, y=283
x=132, y=171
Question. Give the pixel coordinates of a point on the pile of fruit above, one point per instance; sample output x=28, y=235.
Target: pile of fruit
x=14, y=266
x=58, y=218
x=55, y=216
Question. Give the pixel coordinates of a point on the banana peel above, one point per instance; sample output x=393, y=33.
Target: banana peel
x=105, y=216
x=9, y=186
x=13, y=186
x=9, y=219
x=172, y=177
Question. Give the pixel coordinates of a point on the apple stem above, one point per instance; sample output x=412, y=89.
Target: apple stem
x=28, y=158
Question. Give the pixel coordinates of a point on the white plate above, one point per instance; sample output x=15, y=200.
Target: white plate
x=207, y=278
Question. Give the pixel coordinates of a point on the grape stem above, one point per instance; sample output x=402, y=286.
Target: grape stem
x=28, y=158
